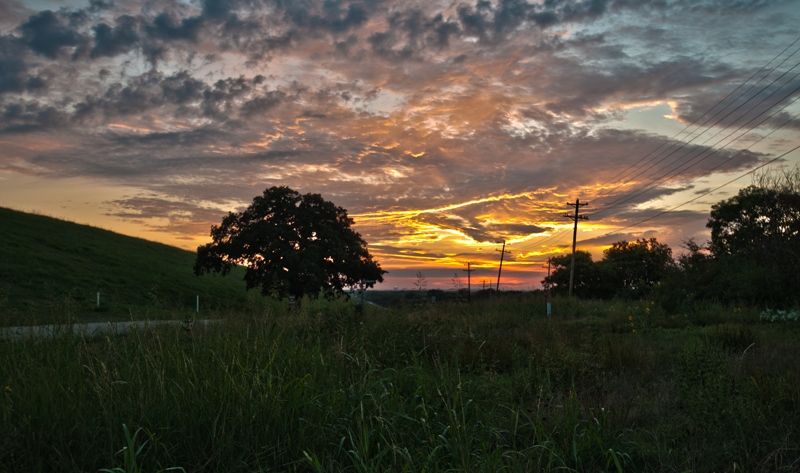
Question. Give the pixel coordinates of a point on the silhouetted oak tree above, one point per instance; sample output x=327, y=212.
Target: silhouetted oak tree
x=290, y=244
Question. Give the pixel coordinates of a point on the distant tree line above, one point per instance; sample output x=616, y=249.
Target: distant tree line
x=753, y=256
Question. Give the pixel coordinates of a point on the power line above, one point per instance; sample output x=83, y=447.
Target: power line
x=683, y=145
x=741, y=85
x=680, y=168
x=639, y=222
x=562, y=233
x=767, y=163
x=618, y=201
x=723, y=185
x=752, y=86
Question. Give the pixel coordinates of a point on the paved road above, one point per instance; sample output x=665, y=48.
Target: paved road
x=91, y=328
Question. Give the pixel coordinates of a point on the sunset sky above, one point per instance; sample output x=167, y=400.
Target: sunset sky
x=442, y=126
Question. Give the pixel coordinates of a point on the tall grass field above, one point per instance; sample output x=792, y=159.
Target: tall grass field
x=491, y=385
x=483, y=387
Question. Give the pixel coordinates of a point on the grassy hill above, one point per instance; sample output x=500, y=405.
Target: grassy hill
x=51, y=270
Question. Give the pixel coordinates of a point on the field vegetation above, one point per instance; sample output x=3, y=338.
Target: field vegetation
x=659, y=365
x=52, y=270
x=489, y=386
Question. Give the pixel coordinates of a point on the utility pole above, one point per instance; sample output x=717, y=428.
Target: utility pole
x=499, y=271
x=469, y=271
x=577, y=216
x=547, y=285
x=547, y=303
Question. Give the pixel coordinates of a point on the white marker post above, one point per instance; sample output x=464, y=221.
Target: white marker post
x=197, y=304
x=98, y=299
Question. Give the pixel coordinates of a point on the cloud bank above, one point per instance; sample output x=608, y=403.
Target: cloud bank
x=443, y=127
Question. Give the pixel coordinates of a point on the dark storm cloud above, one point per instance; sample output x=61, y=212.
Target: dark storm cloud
x=262, y=103
x=724, y=6
x=218, y=9
x=219, y=99
x=181, y=88
x=15, y=74
x=47, y=33
x=254, y=27
x=27, y=116
x=336, y=16
x=757, y=101
x=668, y=159
x=494, y=22
x=579, y=88
x=139, y=94
x=170, y=139
x=165, y=26
x=119, y=39
x=225, y=100
x=332, y=15
x=787, y=120
x=516, y=228
x=191, y=95
x=477, y=230
x=250, y=37
x=579, y=158
x=158, y=172
x=100, y=5
x=470, y=227
x=412, y=31
x=249, y=31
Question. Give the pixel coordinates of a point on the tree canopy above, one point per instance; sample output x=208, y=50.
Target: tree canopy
x=754, y=251
x=756, y=222
x=637, y=266
x=589, y=279
x=628, y=269
x=755, y=243
x=291, y=244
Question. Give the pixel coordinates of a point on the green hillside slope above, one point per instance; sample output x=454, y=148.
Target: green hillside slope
x=51, y=270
